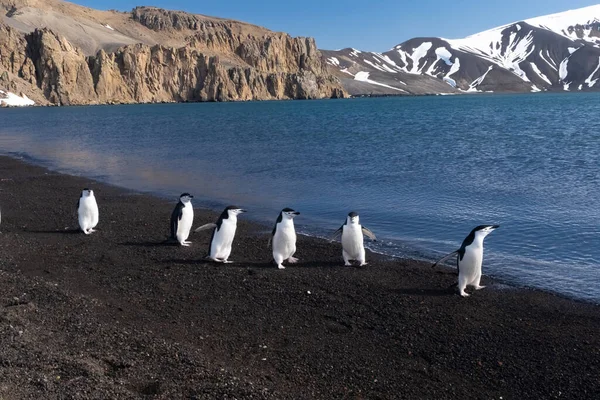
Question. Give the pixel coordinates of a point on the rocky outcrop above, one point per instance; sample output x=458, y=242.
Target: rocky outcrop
x=61, y=69
x=142, y=73
x=13, y=57
x=221, y=61
x=17, y=70
x=159, y=19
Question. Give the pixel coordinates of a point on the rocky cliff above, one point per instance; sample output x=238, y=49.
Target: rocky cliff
x=211, y=60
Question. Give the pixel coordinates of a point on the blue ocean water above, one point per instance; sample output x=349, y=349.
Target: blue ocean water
x=421, y=171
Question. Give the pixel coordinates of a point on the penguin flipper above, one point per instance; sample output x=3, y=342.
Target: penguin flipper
x=205, y=227
x=336, y=233
x=368, y=232
x=447, y=256
x=274, y=230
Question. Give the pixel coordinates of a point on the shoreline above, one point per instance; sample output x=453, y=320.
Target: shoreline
x=211, y=206
x=117, y=314
x=349, y=97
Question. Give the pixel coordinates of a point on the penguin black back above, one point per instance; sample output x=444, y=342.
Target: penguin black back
x=176, y=217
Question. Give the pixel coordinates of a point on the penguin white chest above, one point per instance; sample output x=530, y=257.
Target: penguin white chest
x=88, y=213
x=284, y=241
x=352, y=240
x=470, y=265
x=221, y=244
x=185, y=223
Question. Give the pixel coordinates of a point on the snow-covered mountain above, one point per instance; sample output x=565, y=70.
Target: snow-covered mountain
x=553, y=52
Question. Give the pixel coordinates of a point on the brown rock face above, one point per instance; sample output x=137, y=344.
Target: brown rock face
x=158, y=19
x=144, y=74
x=17, y=71
x=61, y=69
x=221, y=61
x=13, y=56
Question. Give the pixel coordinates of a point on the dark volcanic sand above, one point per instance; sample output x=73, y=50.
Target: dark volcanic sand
x=119, y=315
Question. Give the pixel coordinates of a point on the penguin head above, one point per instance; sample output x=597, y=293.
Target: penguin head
x=483, y=230
x=352, y=218
x=234, y=210
x=185, y=198
x=288, y=213
x=87, y=193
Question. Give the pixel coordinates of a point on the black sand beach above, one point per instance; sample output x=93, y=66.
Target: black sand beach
x=119, y=315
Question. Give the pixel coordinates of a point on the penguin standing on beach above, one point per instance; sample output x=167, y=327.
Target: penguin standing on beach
x=182, y=219
x=87, y=210
x=469, y=258
x=352, y=239
x=283, y=238
x=223, y=234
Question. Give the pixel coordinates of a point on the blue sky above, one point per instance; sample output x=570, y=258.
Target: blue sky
x=349, y=23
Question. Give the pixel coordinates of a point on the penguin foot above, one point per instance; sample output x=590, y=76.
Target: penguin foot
x=292, y=260
x=479, y=287
x=227, y=262
x=362, y=264
x=186, y=244
x=87, y=232
x=280, y=266
x=347, y=264
x=92, y=230
x=464, y=294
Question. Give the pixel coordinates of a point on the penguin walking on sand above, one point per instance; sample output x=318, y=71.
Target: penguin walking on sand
x=469, y=258
x=87, y=210
x=182, y=219
x=223, y=234
x=283, y=238
x=352, y=239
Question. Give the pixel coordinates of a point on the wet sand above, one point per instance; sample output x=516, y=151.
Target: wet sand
x=119, y=314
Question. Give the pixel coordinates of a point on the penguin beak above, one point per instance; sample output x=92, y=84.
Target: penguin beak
x=495, y=226
x=243, y=211
x=296, y=213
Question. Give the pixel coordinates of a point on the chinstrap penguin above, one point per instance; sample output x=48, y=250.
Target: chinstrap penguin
x=469, y=258
x=223, y=234
x=182, y=219
x=352, y=239
x=87, y=210
x=283, y=238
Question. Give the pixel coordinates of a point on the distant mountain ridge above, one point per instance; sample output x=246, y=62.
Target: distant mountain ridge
x=548, y=53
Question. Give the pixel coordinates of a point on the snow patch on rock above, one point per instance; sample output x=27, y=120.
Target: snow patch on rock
x=12, y=100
